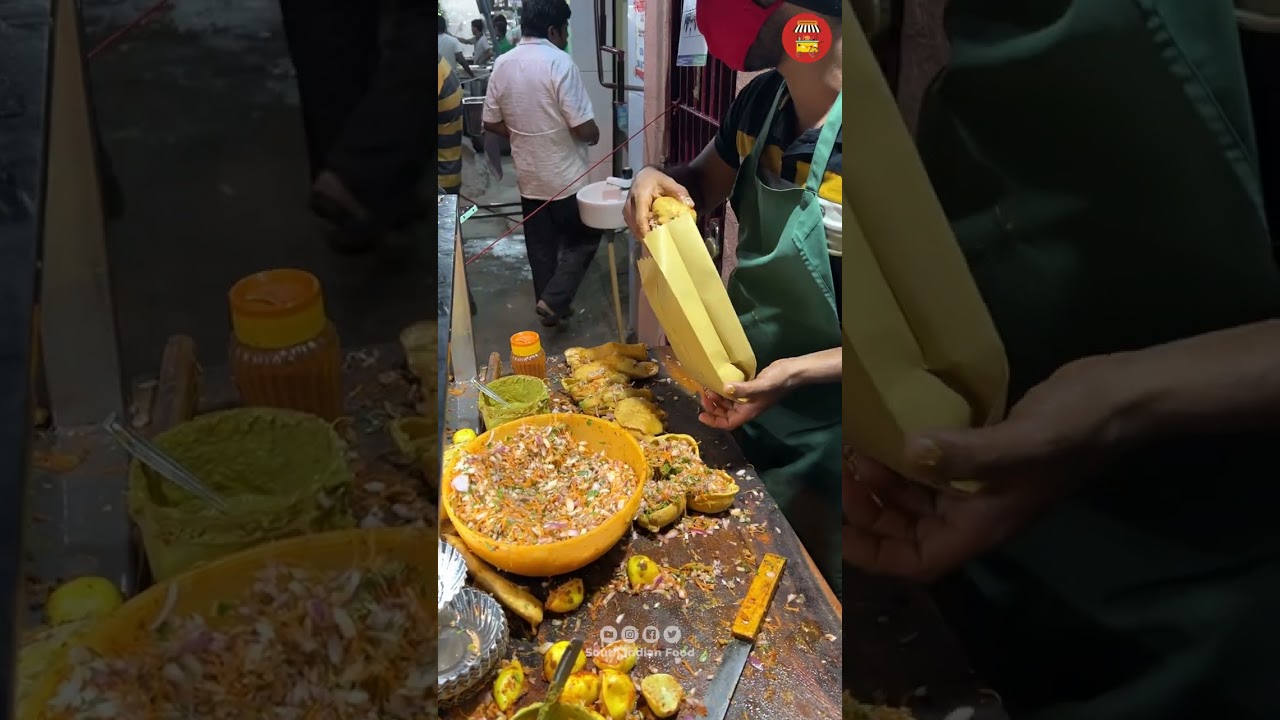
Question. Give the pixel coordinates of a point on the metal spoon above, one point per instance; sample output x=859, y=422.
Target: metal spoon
x=558, y=681
x=156, y=459
x=489, y=393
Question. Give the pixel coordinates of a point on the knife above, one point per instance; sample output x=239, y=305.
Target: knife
x=745, y=628
x=561, y=677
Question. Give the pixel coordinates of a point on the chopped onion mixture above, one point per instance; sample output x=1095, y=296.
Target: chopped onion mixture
x=539, y=486
x=303, y=645
x=659, y=494
x=676, y=460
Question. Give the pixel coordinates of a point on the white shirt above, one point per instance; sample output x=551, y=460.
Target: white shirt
x=481, y=47
x=536, y=89
x=449, y=49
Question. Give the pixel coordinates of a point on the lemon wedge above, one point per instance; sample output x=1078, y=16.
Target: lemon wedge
x=81, y=599
x=464, y=435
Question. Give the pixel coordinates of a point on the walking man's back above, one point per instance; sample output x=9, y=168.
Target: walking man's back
x=538, y=100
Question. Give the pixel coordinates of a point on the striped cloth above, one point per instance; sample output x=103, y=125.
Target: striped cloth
x=449, y=108
x=787, y=154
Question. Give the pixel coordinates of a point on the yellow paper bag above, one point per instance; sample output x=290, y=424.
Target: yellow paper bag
x=920, y=348
x=706, y=279
x=690, y=302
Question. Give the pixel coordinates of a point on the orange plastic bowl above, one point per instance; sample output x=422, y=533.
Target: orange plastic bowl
x=564, y=556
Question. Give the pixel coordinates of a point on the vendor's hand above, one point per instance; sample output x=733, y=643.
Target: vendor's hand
x=1052, y=440
x=748, y=399
x=648, y=185
x=901, y=528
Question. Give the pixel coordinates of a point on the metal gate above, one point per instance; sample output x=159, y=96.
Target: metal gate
x=702, y=96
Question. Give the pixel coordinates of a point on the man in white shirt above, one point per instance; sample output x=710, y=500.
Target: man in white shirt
x=482, y=51
x=451, y=47
x=538, y=100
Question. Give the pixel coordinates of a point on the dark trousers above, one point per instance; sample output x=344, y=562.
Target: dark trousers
x=365, y=101
x=561, y=249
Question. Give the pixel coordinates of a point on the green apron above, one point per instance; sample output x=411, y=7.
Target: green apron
x=1097, y=161
x=783, y=292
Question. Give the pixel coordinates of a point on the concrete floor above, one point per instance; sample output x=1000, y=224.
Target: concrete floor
x=503, y=284
x=200, y=117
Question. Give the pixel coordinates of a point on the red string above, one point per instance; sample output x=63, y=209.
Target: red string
x=522, y=221
x=134, y=24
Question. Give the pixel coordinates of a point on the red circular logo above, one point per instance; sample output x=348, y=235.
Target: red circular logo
x=807, y=37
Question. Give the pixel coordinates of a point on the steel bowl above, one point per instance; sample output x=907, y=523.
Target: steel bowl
x=473, y=640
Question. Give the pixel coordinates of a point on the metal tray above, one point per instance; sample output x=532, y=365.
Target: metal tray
x=473, y=640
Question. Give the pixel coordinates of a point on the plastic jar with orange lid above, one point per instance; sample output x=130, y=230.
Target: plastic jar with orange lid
x=527, y=357
x=284, y=351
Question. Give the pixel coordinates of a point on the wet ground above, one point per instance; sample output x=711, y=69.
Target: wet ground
x=504, y=286
x=200, y=117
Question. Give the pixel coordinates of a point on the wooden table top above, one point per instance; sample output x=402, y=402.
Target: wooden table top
x=795, y=668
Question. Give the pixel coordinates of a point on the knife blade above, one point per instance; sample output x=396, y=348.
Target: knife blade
x=560, y=677
x=746, y=626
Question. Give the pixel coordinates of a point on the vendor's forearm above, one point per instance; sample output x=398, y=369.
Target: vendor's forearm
x=821, y=367
x=1225, y=381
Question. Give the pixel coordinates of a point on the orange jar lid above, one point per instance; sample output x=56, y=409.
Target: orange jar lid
x=526, y=344
x=277, y=309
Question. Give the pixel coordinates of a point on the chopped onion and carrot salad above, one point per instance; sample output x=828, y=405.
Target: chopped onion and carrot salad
x=538, y=486
x=301, y=645
x=675, y=460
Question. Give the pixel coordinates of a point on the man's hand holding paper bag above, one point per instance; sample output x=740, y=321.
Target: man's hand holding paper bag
x=1057, y=434
x=690, y=301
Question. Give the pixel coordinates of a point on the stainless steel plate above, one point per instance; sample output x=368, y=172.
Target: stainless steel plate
x=473, y=640
x=452, y=573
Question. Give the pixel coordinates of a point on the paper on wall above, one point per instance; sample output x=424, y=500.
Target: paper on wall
x=691, y=50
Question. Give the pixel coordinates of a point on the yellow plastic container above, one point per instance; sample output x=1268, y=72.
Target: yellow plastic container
x=526, y=396
x=284, y=351
x=527, y=356
x=564, y=556
x=228, y=579
x=282, y=473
